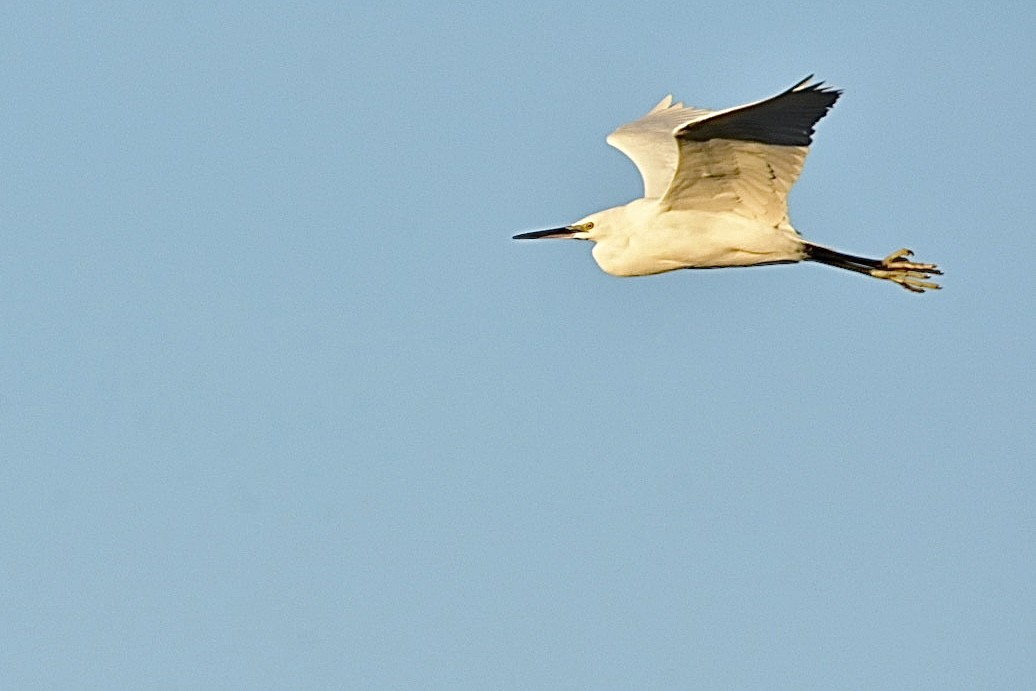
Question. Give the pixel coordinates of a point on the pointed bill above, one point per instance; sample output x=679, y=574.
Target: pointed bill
x=565, y=232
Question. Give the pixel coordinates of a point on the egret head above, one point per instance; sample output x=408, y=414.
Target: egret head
x=576, y=231
x=593, y=227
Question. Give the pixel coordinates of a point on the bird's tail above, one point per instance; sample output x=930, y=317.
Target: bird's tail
x=896, y=267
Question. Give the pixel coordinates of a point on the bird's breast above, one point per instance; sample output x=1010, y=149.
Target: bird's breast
x=688, y=239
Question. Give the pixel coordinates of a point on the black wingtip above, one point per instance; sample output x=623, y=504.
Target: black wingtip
x=817, y=87
x=787, y=119
x=803, y=82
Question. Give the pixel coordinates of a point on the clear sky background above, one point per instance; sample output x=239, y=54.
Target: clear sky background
x=283, y=406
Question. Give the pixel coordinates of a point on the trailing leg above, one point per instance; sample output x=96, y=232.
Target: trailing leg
x=896, y=267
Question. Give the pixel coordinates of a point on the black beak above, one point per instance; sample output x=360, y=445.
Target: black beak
x=566, y=232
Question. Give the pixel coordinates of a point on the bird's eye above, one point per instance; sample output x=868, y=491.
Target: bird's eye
x=589, y=225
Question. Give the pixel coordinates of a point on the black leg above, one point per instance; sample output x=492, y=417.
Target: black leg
x=823, y=255
x=897, y=267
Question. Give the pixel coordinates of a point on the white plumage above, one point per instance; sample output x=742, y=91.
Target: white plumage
x=716, y=189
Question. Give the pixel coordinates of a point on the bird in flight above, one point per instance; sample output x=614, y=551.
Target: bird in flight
x=716, y=193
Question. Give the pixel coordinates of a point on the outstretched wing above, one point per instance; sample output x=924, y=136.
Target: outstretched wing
x=649, y=143
x=746, y=159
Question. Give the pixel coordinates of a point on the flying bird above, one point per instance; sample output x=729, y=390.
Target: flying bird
x=716, y=193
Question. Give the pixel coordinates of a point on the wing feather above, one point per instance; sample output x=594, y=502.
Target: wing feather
x=649, y=143
x=746, y=159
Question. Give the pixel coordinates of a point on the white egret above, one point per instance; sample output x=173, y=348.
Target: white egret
x=716, y=193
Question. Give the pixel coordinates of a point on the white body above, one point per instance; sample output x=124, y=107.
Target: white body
x=666, y=240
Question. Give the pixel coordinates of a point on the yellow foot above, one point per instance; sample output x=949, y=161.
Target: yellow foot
x=913, y=276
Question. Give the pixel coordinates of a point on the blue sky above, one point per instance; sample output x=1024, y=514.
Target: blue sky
x=283, y=406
